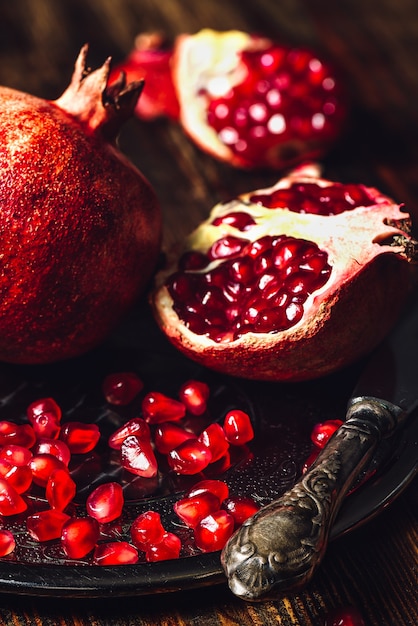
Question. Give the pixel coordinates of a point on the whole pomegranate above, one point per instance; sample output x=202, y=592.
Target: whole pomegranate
x=80, y=227
x=242, y=98
x=288, y=283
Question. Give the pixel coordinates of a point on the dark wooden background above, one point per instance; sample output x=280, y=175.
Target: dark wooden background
x=375, y=42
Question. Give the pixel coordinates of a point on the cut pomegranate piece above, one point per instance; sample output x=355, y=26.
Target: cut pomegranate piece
x=194, y=394
x=18, y=476
x=121, y=388
x=166, y=549
x=46, y=525
x=214, y=438
x=60, y=489
x=147, y=529
x=105, y=503
x=7, y=542
x=79, y=536
x=136, y=426
x=17, y=434
x=115, y=553
x=11, y=502
x=137, y=456
x=213, y=531
x=238, y=428
x=42, y=466
x=45, y=417
x=191, y=457
x=169, y=436
x=158, y=408
x=322, y=431
x=80, y=437
x=193, y=509
x=217, y=487
x=241, y=508
x=283, y=299
x=53, y=447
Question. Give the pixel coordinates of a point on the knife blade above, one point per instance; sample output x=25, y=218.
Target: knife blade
x=280, y=547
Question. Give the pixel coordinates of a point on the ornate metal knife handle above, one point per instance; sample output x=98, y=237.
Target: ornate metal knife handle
x=280, y=546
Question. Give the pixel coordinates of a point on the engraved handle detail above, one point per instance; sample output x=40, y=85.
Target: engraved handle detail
x=280, y=546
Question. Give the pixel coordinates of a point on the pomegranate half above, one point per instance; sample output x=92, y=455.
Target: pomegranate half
x=288, y=283
x=80, y=227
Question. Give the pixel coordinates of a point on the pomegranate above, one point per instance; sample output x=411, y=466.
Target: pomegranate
x=80, y=226
x=277, y=283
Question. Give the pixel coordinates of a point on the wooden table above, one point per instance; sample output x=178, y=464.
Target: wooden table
x=376, y=44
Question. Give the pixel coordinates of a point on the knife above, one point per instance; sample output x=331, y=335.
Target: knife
x=279, y=548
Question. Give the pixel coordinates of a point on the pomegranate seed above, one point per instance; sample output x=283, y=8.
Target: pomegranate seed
x=115, y=553
x=11, y=502
x=194, y=395
x=166, y=549
x=191, y=457
x=213, y=531
x=80, y=437
x=193, y=509
x=322, y=432
x=7, y=542
x=238, y=219
x=147, y=529
x=42, y=466
x=18, y=455
x=344, y=617
x=217, y=487
x=105, y=503
x=136, y=426
x=45, y=417
x=18, y=476
x=137, y=456
x=18, y=434
x=53, y=447
x=169, y=436
x=46, y=525
x=241, y=508
x=311, y=459
x=238, y=428
x=60, y=489
x=122, y=388
x=79, y=536
x=214, y=438
x=157, y=408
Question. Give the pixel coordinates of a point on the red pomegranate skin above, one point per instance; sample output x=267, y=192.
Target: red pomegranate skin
x=80, y=226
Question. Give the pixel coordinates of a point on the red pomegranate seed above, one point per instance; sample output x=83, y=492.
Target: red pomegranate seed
x=122, y=388
x=46, y=525
x=45, y=417
x=79, y=536
x=194, y=394
x=158, y=408
x=18, y=476
x=137, y=456
x=60, y=489
x=42, y=466
x=147, y=529
x=192, y=509
x=348, y=616
x=169, y=436
x=11, y=502
x=241, y=508
x=322, y=432
x=237, y=427
x=214, y=438
x=191, y=457
x=166, y=549
x=136, y=426
x=18, y=455
x=213, y=531
x=311, y=459
x=217, y=487
x=18, y=434
x=106, y=502
x=238, y=219
x=7, y=542
x=80, y=437
x=115, y=553
x=54, y=447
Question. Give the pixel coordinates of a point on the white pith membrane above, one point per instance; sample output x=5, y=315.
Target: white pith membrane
x=353, y=240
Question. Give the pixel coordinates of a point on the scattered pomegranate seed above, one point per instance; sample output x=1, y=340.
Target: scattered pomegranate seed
x=18, y=455
x=137, y=456
x=60, y=489
x=18, y=476
x=217, y=487
x=136, y=426
x=241, y=508
x=80, y=437
x=168, y=548
x=311, y=459
x=45, y=417
x=11, y=502
x=238, y=428
x=192, y=509
x=18, y=434
x=158, y=408
x=46, y=525
x=7, y=542
x=42, y=466
x=213, y=531
x=115, y=553
x=147, y=529
x=194, y=394
x=214, y=438
x=169, y=436
x=105, y=503
x=322, y=432
x=191, y=457
x=349, y=616
x=122, y=388
x=79, y=536
x=54, y=447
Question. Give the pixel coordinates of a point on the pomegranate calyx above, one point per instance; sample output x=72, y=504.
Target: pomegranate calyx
x=94, y=103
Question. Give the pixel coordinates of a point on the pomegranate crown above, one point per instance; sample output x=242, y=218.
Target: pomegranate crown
x=99, y=106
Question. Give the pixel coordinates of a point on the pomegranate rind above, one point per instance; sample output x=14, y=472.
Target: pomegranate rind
x=343, y=321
